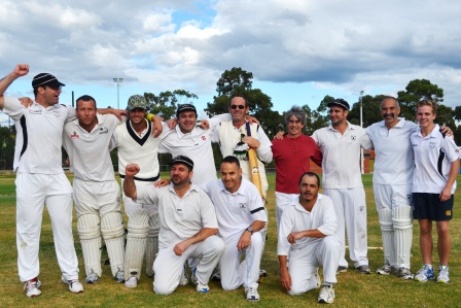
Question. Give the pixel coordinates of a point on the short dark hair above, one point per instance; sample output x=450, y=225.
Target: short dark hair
x=85, y=98
x=238, y=95
x=309, y=174
x=232, y=160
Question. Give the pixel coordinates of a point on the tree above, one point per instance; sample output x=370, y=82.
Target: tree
x=415, y=91
x=370, y=110
x=165, y=103
x=7, y=137
x=239, y=82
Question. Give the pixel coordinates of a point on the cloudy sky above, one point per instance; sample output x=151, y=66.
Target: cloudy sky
x=298, y=50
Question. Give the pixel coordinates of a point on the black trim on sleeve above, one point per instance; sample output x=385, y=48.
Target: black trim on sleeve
x=153, y=179
x=22, y=121
x=257, y=210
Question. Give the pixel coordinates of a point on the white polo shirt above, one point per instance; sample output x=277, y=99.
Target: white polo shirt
x=394, y=161
x=179, y=218
x=89, y=152
x=235, y=211
x=38, y=135
x=341, y=155
x=197, y=146
x=295, y=218
x=430, y=176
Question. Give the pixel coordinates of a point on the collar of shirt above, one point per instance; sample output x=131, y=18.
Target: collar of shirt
x=300, y=208
x=433, y=133
x=349, y=127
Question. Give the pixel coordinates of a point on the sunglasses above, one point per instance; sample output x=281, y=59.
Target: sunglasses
x=237, y=106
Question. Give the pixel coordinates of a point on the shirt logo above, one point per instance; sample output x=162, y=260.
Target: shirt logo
x=37, y=112
x=243, y=206
x=203, y=138
x=353, y=137
x=74, y=135
x=103, y=130
x=57, y=113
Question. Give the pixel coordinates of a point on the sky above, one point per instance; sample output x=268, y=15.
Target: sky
x=298, y=50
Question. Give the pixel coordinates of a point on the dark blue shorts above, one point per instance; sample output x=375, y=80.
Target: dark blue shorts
x=428, y=206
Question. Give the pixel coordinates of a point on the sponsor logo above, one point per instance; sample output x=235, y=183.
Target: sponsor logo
x=103, y=130
x=203, y=138
x=35, y=112
x=74, y=135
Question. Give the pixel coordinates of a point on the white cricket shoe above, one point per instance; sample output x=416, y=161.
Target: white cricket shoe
x=131, y=282
x=405, y=274
x=74, y=285
x=327, y=295
x=202, y=288
x=32, y=287
x=385, y=270
x=252, y=294
x=120, y=276
x=92, y=278
x=443, y=276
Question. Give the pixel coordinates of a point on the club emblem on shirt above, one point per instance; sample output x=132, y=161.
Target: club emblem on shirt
x=57, y=113
x=74, y=135
x=353, y=137
x=432, y=145
x=103, y=130
x=203, y=138
x=243, y=206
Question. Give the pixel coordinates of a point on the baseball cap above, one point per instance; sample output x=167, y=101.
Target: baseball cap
x=137, y=101
x=182, y=159
x=46, y=79
x=185, y=107
x=339, y=102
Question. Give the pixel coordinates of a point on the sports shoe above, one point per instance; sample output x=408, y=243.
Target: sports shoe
x=341, y=269
x=216, y=276
x=92, y=278
x=424, y=274
x=32, y=287
x=184, y=279
x=443, y=275
x=404, y=273
x=120, y=276
x=363, y=269
x=74, y=285
x=202, y=288
x=326, y=295
x=252, y=294
x=385, y=270
x=131, y=282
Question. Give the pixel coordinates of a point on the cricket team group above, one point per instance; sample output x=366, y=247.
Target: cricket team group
x=195, y=226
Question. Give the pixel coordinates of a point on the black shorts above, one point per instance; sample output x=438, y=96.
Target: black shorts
x=429, y=206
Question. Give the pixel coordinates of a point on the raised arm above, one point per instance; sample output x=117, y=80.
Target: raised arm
x=129, y=187
x=19, y=71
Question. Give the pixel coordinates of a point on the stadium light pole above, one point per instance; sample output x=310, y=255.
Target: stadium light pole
x=118, y=80
x=362, y=163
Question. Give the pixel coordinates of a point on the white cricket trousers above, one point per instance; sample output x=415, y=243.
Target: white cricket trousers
x=33, y=191
x=168, y=266
x=351, y=213
x=234, y=270
x=303, y=264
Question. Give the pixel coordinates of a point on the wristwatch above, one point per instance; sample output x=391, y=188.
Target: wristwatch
x=249, y=229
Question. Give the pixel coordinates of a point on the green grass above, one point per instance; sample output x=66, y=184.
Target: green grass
x=352, y=290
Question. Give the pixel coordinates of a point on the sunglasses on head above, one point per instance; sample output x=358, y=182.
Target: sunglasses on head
x=237, y=106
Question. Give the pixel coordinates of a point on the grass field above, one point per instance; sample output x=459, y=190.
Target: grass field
x=352, y=290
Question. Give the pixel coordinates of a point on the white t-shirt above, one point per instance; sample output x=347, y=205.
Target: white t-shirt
x=235, y=211
x=430, y=175
x=341, y=155
x=179, y=218
x=394, y=161
x=38, y=135
x=295, y=218
x=89, y=152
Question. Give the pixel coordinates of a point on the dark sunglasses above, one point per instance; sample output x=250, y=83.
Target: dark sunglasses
x=237, y=106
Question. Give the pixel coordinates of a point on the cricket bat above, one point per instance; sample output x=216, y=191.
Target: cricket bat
x=254, y=167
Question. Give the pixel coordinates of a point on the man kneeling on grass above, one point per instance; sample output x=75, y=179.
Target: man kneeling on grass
x=188, y=226
x=306, y=238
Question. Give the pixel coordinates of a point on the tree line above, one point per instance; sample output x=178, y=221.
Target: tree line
x=239, y=81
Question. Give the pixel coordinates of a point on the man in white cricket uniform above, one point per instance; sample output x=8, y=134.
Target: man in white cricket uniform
x=96, y=192
x=236, y=136
x=188, y=226
x=340, y=144
x=241, y=216
x=392, y=177
x=136, y=142
x=434, y=184
x=40, y=179
x=307, y=240
x=195, y=142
